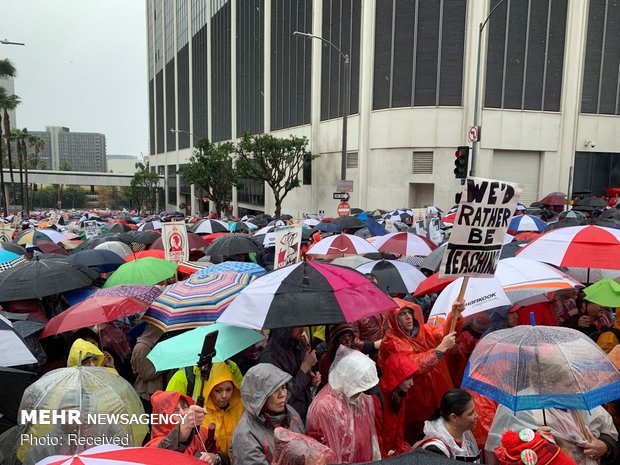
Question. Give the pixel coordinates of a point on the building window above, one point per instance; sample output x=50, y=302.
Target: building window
x=601, y=78
x=525, y=56
x=307, y=171
x=352, y=160
x=419, y=47
x=251, y=191
x=220, y=71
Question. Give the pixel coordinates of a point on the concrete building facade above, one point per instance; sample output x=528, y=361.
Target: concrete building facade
x=549, y=93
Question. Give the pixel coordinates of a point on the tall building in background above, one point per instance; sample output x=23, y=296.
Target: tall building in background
x=77, y=151
x=549, y=93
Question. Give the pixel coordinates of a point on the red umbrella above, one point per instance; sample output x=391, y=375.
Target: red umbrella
x=405, y=243
x=195, y=242
x=50, y=247
x=208, y=238
x=554, y=199
x=432, y=284
x=157, y=253
x=93, y=311
x=112, y=455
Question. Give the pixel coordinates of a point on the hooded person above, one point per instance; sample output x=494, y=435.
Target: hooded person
x=396, y=381
x=342, y=415
x=86, y=353
x=611, y=337
x=341, y=334
x=425, y=345
x=264, y=395
x=526, y=446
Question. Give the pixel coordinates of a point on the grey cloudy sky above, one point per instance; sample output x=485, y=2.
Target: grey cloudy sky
x=84, y=66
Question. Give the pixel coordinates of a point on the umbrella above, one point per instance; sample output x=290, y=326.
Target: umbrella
x=577, y=246
x=209, y=227
x=433, y=260
x=27, y=328
x=522, y=223
x=572, y=214
x=349, y=222
x=351, y=261
x=32, y=236
x=593, y=202
x=605, y=292
x=49, y=247
x=38, y=278
x=153, y=253
x=89, y=390
x=306, y=294
x=18, y=249
x=148, y=271
x=118, y=248
x=6, y=256
x=405, y=243
x=144, y=237
x=197, y=301
x=567, y=222
x=232, y=244
x=104, y=260
x=150, y=225
x=14, y=382
x=394, y=277
x=311, y=222
x=242, y=226
x=539, y=367
x=181, y=351
x=194, y=240
x=237, y=267
x=326, y=227
x=113, y=455
x=94, y=310
x=554, y=199
x=341, y=244
x=141, y=292
x=13, y=349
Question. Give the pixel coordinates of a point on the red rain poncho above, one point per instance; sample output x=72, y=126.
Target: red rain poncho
x=341, y=416
x=295, y=448
x=433, y=379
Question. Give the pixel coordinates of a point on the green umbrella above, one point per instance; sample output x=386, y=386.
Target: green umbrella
x=182, y=350
x=605, y=292
x=147, y=270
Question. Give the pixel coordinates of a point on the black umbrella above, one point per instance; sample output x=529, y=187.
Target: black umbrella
x=595, y=202
x=349, y=222
x=144, y=237
x=611, y=214
x=568, y=222
x=14, y=383
x=18, y=249
x=416, y=457
x=104, y=260
x=116, y=228
x=231, y=244
x=433, y=260
x=394, y=277
x=356, y=211
x=37, y=278
x=510, y=250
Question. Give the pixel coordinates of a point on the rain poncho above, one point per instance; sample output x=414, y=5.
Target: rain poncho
x=436, y=435
x=391, y=425
x=341, y=416
x=253, y=439
x=294, y=449
x=166, y=435
x=433, y=379
x=82, y=349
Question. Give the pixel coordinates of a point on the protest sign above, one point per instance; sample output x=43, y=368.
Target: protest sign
x=91, y=228
x=175, y=241
x=288, y=243
x=479, y=228
x=53, y=219
x=434, y=231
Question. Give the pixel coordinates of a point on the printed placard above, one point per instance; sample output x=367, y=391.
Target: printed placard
x=175, y=241
x=288, y=243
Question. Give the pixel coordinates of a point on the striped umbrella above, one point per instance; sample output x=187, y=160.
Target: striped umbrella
x=522, y=223
x=197, y=301
x=32, y=236
x=237, y=267
x=404, y=243
x=341, y=244
x=209, y=227
x=394, y=277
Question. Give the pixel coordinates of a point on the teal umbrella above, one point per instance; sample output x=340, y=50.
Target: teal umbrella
x=182, y=350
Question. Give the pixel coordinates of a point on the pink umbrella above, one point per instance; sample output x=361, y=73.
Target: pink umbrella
x=404, y=243
x=341, y=244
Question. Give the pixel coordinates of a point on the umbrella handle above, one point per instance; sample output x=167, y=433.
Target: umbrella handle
x=581, y=424
x=458, y=299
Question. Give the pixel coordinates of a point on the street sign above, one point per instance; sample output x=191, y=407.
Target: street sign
x=344, y=209
x=473, y=134
x=341, y=196
x=344, y=186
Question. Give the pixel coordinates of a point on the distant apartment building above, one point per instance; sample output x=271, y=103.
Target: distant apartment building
x=77, y=151
x=122, y=163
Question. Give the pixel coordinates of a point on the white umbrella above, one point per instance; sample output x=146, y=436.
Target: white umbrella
x=120, y=249
x=341, y=244
x=13, y=350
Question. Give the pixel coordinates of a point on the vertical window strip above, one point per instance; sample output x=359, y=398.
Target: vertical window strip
x=505, y=54
x=341, y=76
x=415, y=51
x=392, y=52
x=439, y=40
x=546, y=55
x=600, y=79
x=527, y=42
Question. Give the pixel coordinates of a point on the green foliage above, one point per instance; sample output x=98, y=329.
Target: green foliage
x=143, y=187
x=278, y=162
x=46, y=197
x=211, y=167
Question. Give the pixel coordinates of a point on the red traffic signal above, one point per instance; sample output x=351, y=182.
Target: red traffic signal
x=461, y=162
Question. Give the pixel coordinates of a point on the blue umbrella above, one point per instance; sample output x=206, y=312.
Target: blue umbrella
x=6, y=256
x=104, y=260
x=327, y=227
x=238, y=267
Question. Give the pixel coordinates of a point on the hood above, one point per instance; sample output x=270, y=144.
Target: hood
x=260, y=382
x=352, y=372
x=87, y=349
x=164, y=402
x=397, y=368
x=220, y=372
x=418, y=317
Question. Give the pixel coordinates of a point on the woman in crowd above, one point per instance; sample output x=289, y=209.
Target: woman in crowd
x=264, y=394
x=338, y=335
x=449, y=433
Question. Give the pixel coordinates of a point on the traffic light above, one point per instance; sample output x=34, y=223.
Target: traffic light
x=461, y=162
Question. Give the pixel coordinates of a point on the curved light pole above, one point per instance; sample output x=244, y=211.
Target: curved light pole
x=474, y=145
x=346, y=90
x=8, y=42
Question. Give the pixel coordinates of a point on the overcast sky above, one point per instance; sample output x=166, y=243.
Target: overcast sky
x=84, y=67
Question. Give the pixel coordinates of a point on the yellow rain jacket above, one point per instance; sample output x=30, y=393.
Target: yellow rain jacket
x=87, y=349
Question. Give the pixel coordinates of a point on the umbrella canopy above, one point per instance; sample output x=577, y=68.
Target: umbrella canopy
x=341, y=244
x=349, y=222
x=577, y=246
x=351, y=261
x=197, y=301
x=153, y=253
x=538, y=367
x=326, y=226
x=594, y=202
x=433, y=260
x=180, y=351
x=13, y=349
x=148, y=271
x=6, y=256
x=33, y=236
x=405, y=243
x=91, y=390
x=50, y=247
x=306, y=294
x=14, y=382
x=94, y=310
x=232, y=244
x=141, y=292
x=571, y=214
x=113, y=455
x=150, y=225
x=605, y=292
x=242, y=226
x=104, y=260
x=144, y=237
x=522, y=223
x=236, y=267
x=394, y=277
x=18, y=249
x=195, y=242
x=209, y=227
x=38, y=278
x=554, y=199
x=120, y=249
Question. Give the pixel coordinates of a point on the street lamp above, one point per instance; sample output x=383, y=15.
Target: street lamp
x=346, y=89
x=8, y=42
x=474, y=145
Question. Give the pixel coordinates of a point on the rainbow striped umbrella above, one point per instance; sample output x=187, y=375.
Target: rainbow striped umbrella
x=197, y=301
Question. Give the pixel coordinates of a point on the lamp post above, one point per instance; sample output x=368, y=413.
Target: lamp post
x=474, y=145
x=8, y=42
x=346, y=91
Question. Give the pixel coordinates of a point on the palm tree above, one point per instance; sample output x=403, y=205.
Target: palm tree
x=5, y=203
x=8, y=102
x=20, y=136
x=37, y=144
